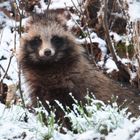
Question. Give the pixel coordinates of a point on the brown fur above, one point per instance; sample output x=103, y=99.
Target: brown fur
x=67, y=71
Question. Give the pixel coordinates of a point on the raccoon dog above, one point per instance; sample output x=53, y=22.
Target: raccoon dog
x=54, y=65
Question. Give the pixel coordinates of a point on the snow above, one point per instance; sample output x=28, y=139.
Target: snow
x=55, y=4
x=134, y=10
x=89, y=135
x=94, y=39
x=125, y=132
x=116, y=37
x=7, y=43
x=13, y=123
x=110, y=65
x=6, y=5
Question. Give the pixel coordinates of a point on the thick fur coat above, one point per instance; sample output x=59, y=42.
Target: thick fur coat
x=54, y=66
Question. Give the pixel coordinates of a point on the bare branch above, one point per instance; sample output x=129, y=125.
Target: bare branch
x=49, y=2
x=19, y=73
x=78, y=11
x=106, y=28
x=5, y=74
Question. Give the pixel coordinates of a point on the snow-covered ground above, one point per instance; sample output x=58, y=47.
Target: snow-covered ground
x=134, y=9
x=104, y=123
x=18, y=123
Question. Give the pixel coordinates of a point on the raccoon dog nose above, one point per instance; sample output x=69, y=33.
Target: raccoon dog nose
x=47, y=52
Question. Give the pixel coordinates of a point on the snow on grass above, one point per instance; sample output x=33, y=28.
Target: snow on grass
x=97, y=116
x=101, y=121
x=127, y=131
x=13, y=124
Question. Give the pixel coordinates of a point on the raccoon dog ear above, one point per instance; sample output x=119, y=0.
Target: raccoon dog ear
x=28, y=24
x=61, y=16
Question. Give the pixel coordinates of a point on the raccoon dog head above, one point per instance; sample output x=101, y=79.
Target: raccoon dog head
x=48, y=41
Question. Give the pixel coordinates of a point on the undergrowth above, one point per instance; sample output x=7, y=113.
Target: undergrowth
x=95, y=116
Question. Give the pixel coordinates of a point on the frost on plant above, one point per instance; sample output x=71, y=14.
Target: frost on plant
x=95, y=115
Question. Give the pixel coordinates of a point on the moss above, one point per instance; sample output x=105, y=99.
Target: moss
x=122, y=50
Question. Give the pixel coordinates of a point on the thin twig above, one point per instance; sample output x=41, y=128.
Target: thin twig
x=137, y=48
x=75, y=7
x=49, y=2
x=19, y=72
x=5, y=74
x=1, y=36
x=2, y=68
x=81, y=12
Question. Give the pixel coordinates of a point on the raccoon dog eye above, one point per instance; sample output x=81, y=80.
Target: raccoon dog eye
x=57, y=41
x=36, y=41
